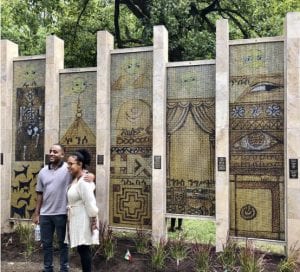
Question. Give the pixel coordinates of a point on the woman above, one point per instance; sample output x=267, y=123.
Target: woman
x=82, y=209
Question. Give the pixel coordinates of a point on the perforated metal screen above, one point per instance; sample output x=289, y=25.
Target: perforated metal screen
x=77, y=115
x=256, y=140
x=28, y=134
x=191, y=140
x=131, y=139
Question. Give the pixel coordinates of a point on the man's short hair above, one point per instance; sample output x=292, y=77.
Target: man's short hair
x=61, y=147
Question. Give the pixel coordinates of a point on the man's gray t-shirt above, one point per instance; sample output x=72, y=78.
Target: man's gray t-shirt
x=53, y=183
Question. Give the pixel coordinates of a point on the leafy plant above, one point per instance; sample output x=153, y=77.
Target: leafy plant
x=142, y=240
x=249, y=261
x=107, y=241
x=202, y=254
x=109, y=244
x=228, y=256
x=159, y=255
x=25, y=233
x=289, y=264
x=178, y=249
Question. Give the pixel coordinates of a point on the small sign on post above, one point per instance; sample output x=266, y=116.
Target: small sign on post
x=293, y=163
x=100, y=159
x=157, y=162
x=221, y=163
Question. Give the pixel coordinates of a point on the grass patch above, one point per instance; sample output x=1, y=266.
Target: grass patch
x=197, y=231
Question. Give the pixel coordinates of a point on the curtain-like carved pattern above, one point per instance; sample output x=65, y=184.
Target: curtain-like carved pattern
x=191, y=136
x=202, y=112
x=177, y=114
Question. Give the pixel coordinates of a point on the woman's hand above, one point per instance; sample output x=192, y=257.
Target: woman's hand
x=93, y=223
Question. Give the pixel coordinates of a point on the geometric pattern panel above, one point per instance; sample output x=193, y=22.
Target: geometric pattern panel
x=78, y=113
x=256, y=206
x=191, y=140
x=131, y=140
x=129, y=204
x=28, y=133
x=257, y=140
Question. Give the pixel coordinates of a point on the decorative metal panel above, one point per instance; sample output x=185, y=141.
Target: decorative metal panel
x=131, y=139
x=28, y=134
x=257, y=140
x=191, y=140
x=77, y=127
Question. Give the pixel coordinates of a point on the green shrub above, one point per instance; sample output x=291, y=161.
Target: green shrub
x=178, y=248
x=249, y=261
x=142, y=240
x=202, y=255
x=228, y=256
x=159, y=255
x=107, y=241
x=289, y=264
x=25, y=233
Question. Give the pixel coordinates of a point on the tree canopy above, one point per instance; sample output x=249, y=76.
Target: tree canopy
x=190, y=23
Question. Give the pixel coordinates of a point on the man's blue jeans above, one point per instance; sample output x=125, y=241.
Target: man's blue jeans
x=49, y=224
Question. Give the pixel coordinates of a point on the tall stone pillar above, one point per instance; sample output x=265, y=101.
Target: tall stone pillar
x=222, y=134
x=9, y=50
x=105, y=43
x=292, y=128
x=160, y=59
x=54, y=62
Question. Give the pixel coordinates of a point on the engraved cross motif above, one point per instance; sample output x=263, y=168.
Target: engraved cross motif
x=132, y=205
x=119, y=164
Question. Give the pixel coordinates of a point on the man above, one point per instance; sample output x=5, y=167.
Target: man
x=51, y=206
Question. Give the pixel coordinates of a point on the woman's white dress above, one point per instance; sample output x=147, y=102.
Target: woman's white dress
x=81, y=206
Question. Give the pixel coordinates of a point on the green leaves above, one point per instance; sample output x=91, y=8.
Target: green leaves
x=190, y=23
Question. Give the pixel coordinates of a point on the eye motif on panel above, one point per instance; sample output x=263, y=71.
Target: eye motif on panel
x=256, y=141
x=265, y=87
x=259, y=87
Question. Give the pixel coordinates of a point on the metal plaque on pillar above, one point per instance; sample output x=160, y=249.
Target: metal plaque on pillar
x=157, y=162
x=100, y=159
x=221, y=163
x=293, y=164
